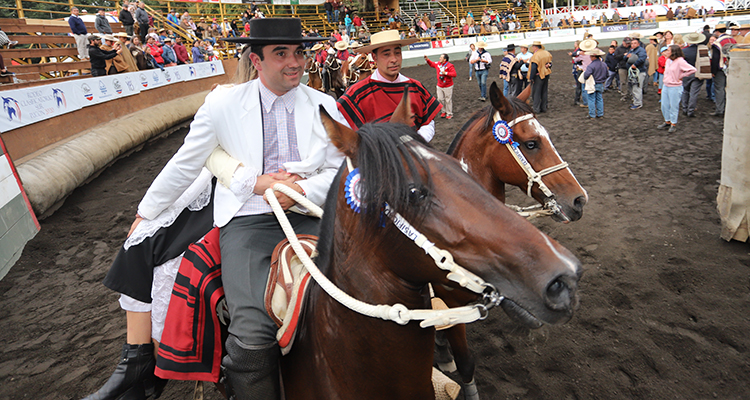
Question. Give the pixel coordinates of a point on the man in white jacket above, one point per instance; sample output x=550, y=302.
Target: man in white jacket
x=270, y=125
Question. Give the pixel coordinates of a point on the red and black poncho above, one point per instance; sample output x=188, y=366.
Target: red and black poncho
x=374, y=101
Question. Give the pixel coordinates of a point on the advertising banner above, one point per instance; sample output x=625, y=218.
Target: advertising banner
x=439, y=44
x=537, y=35
x=615, y=28
x=420, y=46
x=488, y=38
x=562, y=32
x=591, y=30
x=105, y=88
x=643, y=25
x=26, y=106
x=673, y=24
x=464, y=41
x=512, y=36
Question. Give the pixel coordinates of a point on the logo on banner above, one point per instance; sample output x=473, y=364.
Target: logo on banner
x=213, y=68
x=192, y=71
x=87, y=93
x=130, y=84
x=156, y=77
x=614, y=28
x=60, y=98
x=102, y=88
x=167, y=76
x=117, y=85
x=144, y=81
x=177, y=75
x=11, y=108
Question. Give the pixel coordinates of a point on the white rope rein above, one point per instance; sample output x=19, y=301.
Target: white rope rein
x=397, y=312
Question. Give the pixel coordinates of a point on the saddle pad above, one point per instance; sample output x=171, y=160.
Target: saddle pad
x=285, y=291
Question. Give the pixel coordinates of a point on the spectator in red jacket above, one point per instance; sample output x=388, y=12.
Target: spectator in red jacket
x=155, y=50
x=445, y=74
x=180, y=51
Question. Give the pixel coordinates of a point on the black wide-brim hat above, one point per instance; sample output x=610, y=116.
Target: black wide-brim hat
x=275, y=31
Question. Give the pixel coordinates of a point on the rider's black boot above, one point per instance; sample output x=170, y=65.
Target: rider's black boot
x=133, y=377
x=251, y=372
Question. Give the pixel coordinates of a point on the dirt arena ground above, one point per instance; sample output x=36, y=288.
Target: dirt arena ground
x=664, y=302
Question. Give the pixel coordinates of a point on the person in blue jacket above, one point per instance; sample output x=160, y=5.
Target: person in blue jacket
x=79, y=33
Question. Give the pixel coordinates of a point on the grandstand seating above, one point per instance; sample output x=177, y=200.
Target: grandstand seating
x=44, y=49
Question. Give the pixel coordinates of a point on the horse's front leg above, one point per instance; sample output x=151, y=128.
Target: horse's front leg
x=464, y=359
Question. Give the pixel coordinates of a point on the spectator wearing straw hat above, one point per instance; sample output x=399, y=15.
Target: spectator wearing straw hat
x=481, y=60
x=599, y=72
x=691, y=84
x=116, y=64
x=540, y=67
x=169, y=55
x=126, y=54
x=374, y=98
x=99, y=57
x=342, y=52
x=744, y=33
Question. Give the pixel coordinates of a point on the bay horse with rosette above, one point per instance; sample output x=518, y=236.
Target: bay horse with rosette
x=314, y=73
x=504, y=143
x=526, y=158
x=395, y=200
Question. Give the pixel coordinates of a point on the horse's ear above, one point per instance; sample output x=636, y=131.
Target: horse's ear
x=500, y=102
x=345, y=139
x=403, y=113
x=525, y=94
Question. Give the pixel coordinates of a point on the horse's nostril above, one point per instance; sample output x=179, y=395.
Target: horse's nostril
x=579, y=202
x=558, y=295
x=555, y=288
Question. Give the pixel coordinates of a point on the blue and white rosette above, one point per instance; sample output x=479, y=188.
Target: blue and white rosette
x=352, y=190
x=502, y=132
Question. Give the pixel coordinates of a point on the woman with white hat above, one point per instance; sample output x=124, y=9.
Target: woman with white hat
x=481, y=60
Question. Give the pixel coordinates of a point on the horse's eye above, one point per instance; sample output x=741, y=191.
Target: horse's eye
x=531, y=145
x=417, y=194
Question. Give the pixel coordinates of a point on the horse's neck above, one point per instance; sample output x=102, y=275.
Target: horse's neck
x=342, y=354
x=471, y=154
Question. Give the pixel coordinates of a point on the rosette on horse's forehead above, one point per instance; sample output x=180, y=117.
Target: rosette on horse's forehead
x=352, y=190
x=502, y=132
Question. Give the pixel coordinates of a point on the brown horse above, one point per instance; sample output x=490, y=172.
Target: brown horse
x=493, y=165
x=358, y=68
x=314, y=73
x=372, y=256
x=335, y=71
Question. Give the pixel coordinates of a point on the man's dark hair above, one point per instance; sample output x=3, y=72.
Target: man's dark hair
x=445, y=56
x=257, y=49
x=613, y=47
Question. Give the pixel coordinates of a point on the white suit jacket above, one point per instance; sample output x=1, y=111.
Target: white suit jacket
x=231, y=119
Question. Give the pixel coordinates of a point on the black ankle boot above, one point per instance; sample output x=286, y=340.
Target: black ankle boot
x=251, y=372
x=133, y=377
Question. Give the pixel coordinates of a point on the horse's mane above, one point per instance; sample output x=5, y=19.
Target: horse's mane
x=389, y=169
x=518, y=107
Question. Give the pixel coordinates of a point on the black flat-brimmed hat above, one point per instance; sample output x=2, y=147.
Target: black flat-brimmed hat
x=275, y=31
